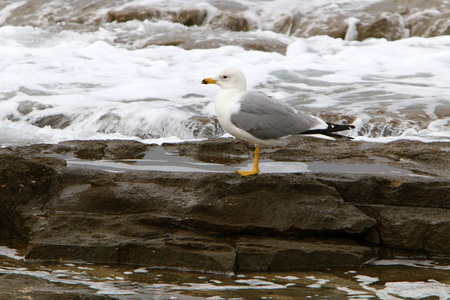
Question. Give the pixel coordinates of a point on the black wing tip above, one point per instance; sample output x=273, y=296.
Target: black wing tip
x=331, y=129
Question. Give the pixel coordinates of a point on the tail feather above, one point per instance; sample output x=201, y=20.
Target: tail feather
x=330, y=130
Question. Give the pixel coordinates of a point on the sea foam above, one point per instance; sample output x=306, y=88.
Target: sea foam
x=74, y=84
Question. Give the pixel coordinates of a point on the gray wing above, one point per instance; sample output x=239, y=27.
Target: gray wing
x=267, y=118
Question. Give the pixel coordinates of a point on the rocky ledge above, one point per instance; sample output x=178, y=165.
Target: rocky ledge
x=220, y=221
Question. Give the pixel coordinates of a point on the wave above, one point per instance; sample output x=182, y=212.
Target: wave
x=156, y=125
x=132, y=69
x=356, y=20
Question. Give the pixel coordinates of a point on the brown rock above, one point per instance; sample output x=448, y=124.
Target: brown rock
x=224, y=222
x=279, y=255
x=114, y=149
x=59, y=121
x=389, y=26
x=416, y=192
x=73, y=252
x=412, y=228
x=237, y=22
x=180, y=252
x=294, y=204
x=23, y=182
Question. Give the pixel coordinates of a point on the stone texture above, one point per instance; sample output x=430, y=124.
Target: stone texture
x=115, y=149
x=411, y=228
x=23, y=182
x=222, y=203
x=289, y=255
x=389, y=26
x=181, y=252
x=415, y=192
x=223, y=222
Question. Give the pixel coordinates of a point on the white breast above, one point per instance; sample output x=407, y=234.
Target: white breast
x=227, y=103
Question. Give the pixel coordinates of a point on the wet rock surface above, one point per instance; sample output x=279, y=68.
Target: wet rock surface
x=220, y=221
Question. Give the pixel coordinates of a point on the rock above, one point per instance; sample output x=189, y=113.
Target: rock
x=255, y=206
x=222, y=222
x=282, y=255
x=83, y=149
x=230, y=151
x=27, y=106
x=389, y=26
x=237, y=22
x=417, y=192
x=181, y=252
x=59, y=121
x=115, y=149
x=77, y=252
x=125, y=150
x=188, y=17
x=412, y=228
x=23, y=182
x=390, y=19
x=222, y=203
x=438, y=26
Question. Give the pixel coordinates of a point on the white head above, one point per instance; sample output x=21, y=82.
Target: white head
x=229, y=78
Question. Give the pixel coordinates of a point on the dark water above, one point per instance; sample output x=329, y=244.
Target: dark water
x=384, y=279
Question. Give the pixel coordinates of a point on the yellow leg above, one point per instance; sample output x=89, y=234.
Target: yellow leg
x=255, y=170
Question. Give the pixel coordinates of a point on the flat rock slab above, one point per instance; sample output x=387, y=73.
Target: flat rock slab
x=221, y=203
x=287, y=255
x=220, y=221
x=189, y=251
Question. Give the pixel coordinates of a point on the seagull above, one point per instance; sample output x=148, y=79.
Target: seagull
x=256, y=118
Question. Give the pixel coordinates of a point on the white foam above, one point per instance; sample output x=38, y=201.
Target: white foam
x=352, y=292
x=105, y=90
x=141, y=270
x=287, y=277
x=11, y=253
x=244, y=284
x=366, y=280
x=411, y=263
x=352, y=32
x=418, y=290
x=319, y=282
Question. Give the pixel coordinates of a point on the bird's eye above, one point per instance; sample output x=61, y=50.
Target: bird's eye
x=224, y=77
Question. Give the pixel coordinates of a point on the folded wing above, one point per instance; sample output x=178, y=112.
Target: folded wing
x=267, y=118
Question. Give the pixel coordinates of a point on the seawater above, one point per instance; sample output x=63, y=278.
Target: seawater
x=383, y=279
x=69, y=73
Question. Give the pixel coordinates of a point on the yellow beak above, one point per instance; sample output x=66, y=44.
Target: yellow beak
x=208, y=80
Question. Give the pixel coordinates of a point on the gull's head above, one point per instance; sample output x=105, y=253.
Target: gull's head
x=228, y=78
